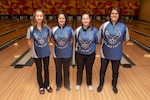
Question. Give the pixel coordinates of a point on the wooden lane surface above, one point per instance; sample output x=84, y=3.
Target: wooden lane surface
x=6, y=21
x=2, y=24
x=12, y=23
x=11, y=53
x=133, y=83
x=140, y=38
x=136, y=54
x=143, y=37
x=139, y=29
x=24, y=87
x=147, y=27
x=138, y=23
x=14, y=27
x=141, y=22
x=16, y=50
x=7, y=38
x=17, y=84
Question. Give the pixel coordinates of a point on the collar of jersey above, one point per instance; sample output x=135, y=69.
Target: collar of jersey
x=86, y=28
x=115, y=23
x=60, y=26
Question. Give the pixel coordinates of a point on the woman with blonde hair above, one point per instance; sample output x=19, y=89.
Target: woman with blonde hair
x=38, y=36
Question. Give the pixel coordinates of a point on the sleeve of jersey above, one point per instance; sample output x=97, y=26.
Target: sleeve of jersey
x=29, y=30
x=96, y=35
x=77, y=33
x=72, y=34
x=52, y=32
x=102, y=29
x=100, y=33
x=76, y=37
x=49, y=32
x=126, y=37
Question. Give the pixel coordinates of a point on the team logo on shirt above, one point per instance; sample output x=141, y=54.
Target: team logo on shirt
x=62, y=43
x=85, y=44
x=112, y=40
x=41, y=40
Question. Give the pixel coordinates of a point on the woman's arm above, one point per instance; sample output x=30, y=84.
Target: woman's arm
x=29, y=43
x=52, y=40
x=71, y=41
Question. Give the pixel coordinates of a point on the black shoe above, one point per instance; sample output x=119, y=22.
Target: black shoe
x=99, y=88
x=49, y=89
x=115, y=90
x=41, y=90
x=58, y=88
x=68, y=88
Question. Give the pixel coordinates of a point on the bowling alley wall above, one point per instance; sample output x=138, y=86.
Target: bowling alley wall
x=71, y=7
x=144, y=10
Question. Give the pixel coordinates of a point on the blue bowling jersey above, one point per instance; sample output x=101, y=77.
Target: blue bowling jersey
x=112, y=37
x=62, y=46
x=40, y=47
x=86, y=40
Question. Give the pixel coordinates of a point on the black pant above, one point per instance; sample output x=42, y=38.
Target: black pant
x=115, y=70
x=88, y=61
x=38, y=62
x=65, y=63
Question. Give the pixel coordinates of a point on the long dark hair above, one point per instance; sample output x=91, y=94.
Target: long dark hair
x=62, y=14
x=117, y=9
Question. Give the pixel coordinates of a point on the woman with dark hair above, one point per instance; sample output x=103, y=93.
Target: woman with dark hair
x=62, y=38
x=112, y=34
x=86, y=40
x=38, y=36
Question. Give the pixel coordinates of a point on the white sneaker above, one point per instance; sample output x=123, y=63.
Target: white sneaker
x=90, y=87
x=77, y=87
